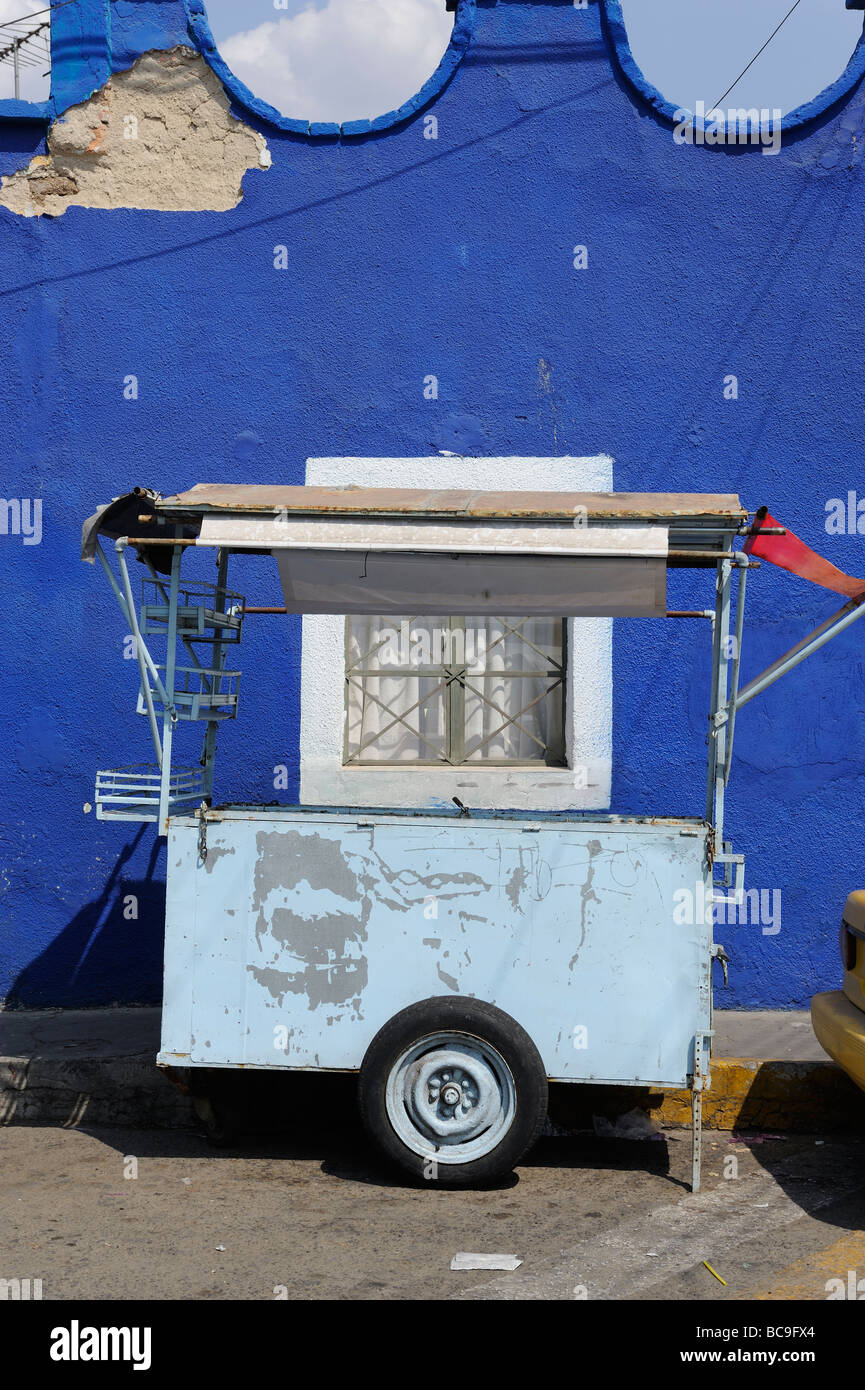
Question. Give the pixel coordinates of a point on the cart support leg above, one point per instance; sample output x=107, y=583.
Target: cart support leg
x=697, y=1150
x=699, y=1083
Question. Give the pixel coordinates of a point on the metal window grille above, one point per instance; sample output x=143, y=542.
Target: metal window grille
x=454, y=691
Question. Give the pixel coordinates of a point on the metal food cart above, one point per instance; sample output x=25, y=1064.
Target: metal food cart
x=296, y=937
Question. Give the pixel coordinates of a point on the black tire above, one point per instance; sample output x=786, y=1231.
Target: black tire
x=523, y=1107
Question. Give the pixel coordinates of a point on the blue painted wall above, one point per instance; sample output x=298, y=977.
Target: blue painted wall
x=410, y=256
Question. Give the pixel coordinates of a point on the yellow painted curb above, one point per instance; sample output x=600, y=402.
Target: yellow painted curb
x=745, y=1093
x=750, y=1093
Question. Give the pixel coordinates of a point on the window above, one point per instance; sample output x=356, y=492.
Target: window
x=454, y=691
x=547, y=747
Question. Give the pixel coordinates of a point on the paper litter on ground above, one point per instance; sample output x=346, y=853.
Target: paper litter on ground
x=464, y=1259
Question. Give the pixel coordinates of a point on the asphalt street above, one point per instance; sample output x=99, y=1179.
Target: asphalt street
x=313, y=1214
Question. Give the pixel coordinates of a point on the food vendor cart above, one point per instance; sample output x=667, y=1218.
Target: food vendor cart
x=297, y=937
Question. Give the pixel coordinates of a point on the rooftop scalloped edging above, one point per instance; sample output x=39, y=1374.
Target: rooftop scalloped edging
x=800, y=116
x=464, y=22
x=79, y=83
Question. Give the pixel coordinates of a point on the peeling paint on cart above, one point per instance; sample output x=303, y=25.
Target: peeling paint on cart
x=298, y=936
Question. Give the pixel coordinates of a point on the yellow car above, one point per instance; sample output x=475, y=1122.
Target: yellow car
x=838, y=1015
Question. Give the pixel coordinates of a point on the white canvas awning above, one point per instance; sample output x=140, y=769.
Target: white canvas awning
x=421, y=535
x=328, y=581
x=571, y=572
x=467, y=565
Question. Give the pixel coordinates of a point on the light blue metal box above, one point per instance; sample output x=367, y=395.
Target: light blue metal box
x=302, y=932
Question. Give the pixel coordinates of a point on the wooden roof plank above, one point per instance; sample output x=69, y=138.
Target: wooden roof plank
x=347, y=501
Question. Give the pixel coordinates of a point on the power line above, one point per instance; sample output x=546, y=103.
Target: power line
x=25, y=17
x=756, y=55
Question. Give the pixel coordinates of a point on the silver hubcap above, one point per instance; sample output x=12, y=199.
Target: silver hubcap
x=452, y=1097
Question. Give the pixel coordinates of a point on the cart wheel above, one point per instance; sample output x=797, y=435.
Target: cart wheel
x=453, y=1090
x=219, y=1131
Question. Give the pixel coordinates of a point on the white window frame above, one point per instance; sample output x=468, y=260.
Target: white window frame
x=584, y=784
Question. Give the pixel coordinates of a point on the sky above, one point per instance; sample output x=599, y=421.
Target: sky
x=334, y=59
x=347, y=59
x=34, y=82
x=694, y=49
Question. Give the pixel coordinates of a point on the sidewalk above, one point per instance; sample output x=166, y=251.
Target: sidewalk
x=93, y=1066
x=96, y=1066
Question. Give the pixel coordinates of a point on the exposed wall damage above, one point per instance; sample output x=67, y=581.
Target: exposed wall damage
x=159, y=136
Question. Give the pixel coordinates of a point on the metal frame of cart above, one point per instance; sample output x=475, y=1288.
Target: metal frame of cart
x=464, y=553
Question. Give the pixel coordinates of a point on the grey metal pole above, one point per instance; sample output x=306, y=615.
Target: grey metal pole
x=15, y=69
x=850, y=613
x=120, y=546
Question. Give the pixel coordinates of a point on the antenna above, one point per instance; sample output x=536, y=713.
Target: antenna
x=29, y=47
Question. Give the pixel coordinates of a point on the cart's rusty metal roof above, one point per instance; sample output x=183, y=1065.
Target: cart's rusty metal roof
x=664, y=507
x=690, y=527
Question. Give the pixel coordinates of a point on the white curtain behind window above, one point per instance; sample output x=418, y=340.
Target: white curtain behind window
x=400, y=706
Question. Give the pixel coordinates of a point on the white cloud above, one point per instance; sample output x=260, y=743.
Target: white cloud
x=349, y=60
x=14, y=9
